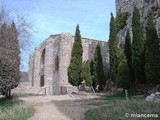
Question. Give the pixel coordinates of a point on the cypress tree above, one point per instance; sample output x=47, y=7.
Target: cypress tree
x=152, y=52
x=86, y=73
x=128, y=49
x=92, y=73
x=113, y=48
x=123, y=75
x=138, y=47
x=75, y=67
x=128, y=53
x=98, y=73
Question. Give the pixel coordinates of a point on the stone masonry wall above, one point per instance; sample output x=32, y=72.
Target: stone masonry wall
x=143, y=6
x=57, y=54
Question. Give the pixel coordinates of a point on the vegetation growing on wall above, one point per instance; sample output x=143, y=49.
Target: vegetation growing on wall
x=121, y=20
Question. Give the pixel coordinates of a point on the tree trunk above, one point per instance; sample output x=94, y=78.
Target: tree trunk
x=8, y=94
x=93, y=90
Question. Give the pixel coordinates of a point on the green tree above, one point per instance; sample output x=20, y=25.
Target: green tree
x=98, y=72
x=128, y=49
x=75, y=67
x=138, y=47
x=9, y=58
x=3, y=35
x=86, y=73
x=16, y=48
x=152, y=51
x=121, y=18
x=92, y=73
x=113, y=48
x=123, y=76
x=128, y=53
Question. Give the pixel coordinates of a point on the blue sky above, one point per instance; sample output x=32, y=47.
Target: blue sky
x=57, y=16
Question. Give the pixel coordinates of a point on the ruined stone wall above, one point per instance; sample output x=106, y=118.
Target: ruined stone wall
x=143, y=6
x=89, y=46
x=57, y=59
x=31, y=69
x=64, y=57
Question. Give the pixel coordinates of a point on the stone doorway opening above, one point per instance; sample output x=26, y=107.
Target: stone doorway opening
x=42, y=81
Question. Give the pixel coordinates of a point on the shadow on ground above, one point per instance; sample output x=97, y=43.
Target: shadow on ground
x=75, y=109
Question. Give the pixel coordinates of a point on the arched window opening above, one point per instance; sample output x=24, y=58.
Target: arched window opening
x=43, y=57
x=57, y=63
x=42, y=81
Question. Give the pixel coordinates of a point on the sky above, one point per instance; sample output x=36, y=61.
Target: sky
x=56, y=16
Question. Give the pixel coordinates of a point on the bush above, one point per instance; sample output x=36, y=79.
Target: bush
x=123, y=79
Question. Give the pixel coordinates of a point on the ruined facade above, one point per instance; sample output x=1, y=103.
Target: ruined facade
x=50, y=60
x=143, y=6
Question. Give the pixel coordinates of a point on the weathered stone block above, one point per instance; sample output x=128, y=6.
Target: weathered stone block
x=56, y=59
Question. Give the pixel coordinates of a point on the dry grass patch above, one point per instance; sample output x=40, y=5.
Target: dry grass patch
x=15, y=110
x=118, y=108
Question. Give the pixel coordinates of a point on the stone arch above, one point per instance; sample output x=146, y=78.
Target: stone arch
x=42, y=80
x=43, y=56
x=57, y=63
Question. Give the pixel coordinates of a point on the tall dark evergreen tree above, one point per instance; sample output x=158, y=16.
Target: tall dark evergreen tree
x=128, y=49
x=138, y=47
x=113, y=48
x=92, y=73
x=123, y=75
x=86, y=73
x=152, y=52
x=98, y=72
x=128, y=53
x=75, y=67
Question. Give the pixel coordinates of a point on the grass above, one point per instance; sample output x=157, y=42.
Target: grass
x=28, y=94
x=117, y=108
x=6, y=104
x=15, y=110
x=119, y=95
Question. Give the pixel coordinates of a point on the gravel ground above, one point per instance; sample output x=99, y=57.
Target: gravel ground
x=62, y=107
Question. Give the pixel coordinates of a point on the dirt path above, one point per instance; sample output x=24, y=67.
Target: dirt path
x=61, y=107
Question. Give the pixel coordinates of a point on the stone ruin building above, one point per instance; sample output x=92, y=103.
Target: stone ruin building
x=143, y=6
x=50, y=60
x=48, y=64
